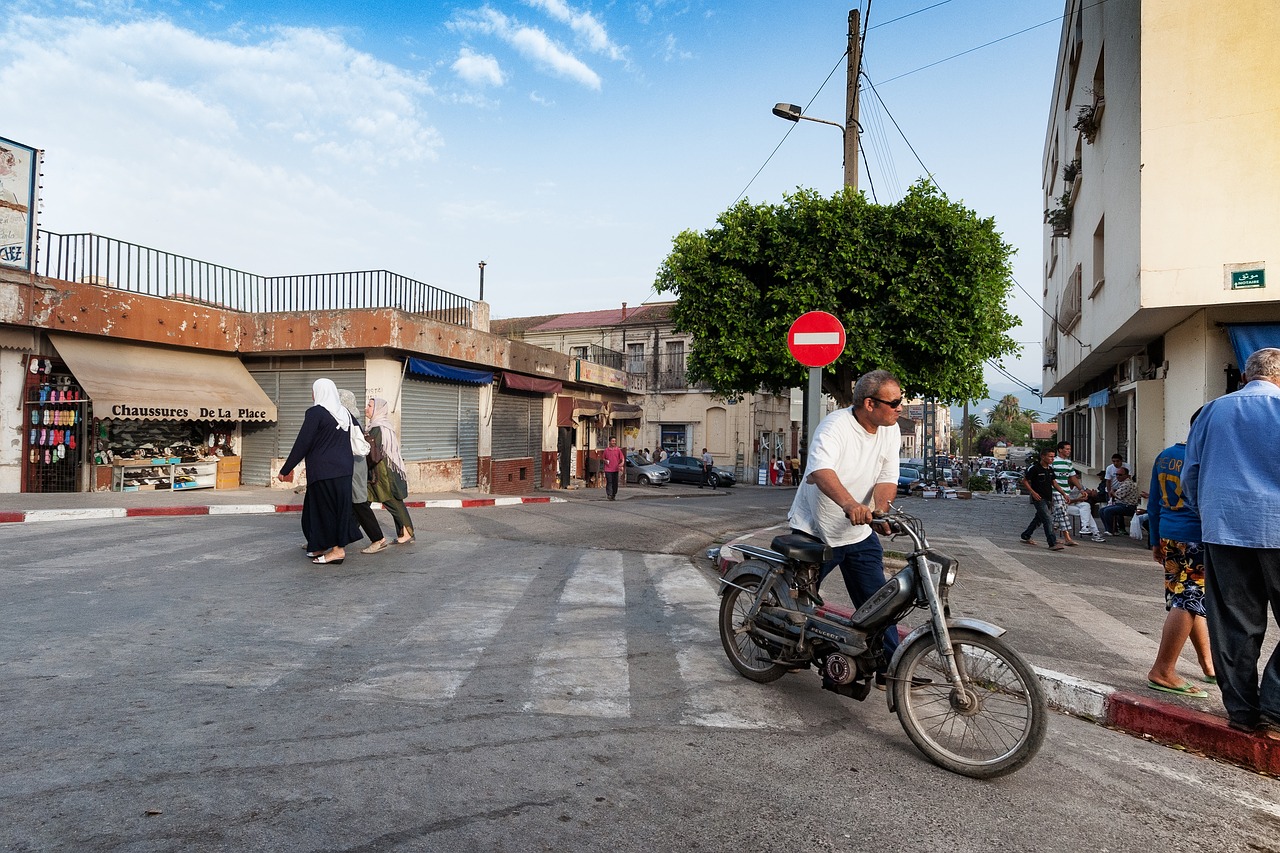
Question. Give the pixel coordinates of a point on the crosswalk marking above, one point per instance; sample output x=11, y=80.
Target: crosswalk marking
x=446, y=646
x=582, y=669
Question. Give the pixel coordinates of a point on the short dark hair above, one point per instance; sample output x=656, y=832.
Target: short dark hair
x=1062, y=444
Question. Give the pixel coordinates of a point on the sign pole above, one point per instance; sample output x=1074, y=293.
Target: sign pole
x=812, y=406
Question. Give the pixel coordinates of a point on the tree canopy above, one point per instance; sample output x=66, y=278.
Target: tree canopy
x=920, y=286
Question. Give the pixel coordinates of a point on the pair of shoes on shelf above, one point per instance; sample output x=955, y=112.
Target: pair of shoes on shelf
x=380, y=545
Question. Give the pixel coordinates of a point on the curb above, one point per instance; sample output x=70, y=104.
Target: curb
x=45, y=515
x=1164, y=723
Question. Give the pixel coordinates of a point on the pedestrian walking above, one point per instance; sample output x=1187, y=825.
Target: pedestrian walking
x=388, y=480
x=1232, y=479
x=364, y=513
x=324, y=445
x=1175, y=543
x=1039, y=483
x=614, y=462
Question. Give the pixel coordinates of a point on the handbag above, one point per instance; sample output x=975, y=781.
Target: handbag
x=359, y=444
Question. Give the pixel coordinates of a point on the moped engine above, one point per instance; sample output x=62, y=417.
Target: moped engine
x=838, y=669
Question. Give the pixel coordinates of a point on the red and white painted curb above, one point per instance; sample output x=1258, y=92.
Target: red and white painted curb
x=43, y=515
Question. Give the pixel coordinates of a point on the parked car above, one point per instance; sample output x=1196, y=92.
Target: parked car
x=908, y=479
x=688, y=469
x=989, y=473
x=646, y=473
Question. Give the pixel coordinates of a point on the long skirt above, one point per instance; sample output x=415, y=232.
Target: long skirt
x=327, y=516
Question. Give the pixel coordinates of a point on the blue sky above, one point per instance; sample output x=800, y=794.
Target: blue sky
x=563, y=142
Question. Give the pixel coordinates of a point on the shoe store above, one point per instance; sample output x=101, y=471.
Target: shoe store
x=104, y=415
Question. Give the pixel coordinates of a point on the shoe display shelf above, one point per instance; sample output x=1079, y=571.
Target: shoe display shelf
x=140, y=475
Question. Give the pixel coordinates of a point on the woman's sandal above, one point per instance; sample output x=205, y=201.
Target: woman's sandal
x=380, y=545
x=406, y=541
x=323, y=560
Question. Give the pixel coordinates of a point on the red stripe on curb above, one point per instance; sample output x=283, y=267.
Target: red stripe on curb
x=1173, y=724
x=144, y=511
x=468, y=503
x=535, y=500
x=288, y=507
x=7, y=517
x=415, y=504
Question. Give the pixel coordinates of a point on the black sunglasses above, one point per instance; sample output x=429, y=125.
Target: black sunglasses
x=893, y=404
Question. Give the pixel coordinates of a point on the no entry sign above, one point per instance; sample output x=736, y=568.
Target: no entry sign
x=816, y=339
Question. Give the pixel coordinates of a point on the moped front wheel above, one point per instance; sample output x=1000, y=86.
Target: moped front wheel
x=992, y=727
x=746, y=655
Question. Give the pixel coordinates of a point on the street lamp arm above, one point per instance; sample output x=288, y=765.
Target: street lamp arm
x=791, y=112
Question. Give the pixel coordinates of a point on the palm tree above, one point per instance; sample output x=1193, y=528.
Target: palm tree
x=1009, y=409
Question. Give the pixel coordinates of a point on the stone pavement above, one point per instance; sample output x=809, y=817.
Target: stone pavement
x=1088, y=618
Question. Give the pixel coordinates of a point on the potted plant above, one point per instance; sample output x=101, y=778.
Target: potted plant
x=1059, y=218
x=1089, y=117
x=1071, y=171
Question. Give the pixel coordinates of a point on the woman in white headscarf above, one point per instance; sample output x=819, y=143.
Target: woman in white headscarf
x=387, y=477
x=324, y=442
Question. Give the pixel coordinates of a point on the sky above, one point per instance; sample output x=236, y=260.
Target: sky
x=562, y=142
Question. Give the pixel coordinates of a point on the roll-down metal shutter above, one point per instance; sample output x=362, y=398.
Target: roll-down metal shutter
x=290, y=390
x=517, y=430
x=441, y=420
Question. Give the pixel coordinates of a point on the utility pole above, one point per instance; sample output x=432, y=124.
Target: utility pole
x=851, y=126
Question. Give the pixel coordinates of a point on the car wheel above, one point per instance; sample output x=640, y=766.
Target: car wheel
x=644, y=480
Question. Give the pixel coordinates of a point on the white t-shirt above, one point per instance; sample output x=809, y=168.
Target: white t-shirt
x=860, y=459
x=1111, y=473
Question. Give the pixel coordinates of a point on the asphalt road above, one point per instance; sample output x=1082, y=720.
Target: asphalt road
x=546, y=677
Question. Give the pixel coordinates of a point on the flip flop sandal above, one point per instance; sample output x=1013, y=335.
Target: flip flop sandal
x=375, y=547
x=321, y=561
x=1188, y=689
x=34, y=366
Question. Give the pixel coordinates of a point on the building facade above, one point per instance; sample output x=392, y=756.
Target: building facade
x=670, y=413
x=1162, y=236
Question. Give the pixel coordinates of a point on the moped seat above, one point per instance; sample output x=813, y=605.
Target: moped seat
x=801, y=547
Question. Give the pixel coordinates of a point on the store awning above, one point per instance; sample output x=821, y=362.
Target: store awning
x=518, y=382
x=1248, y=338
x=435, y=370
x=624, y=412
x=132, y=381
x=586, y=408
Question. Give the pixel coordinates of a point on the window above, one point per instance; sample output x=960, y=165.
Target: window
x=635, y=358
x=578, y=352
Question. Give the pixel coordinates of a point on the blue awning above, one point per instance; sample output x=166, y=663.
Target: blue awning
x=433, y=370
x=1098, y=399
x=1248, y=338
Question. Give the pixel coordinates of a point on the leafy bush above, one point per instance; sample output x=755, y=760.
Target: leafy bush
x=979, y=484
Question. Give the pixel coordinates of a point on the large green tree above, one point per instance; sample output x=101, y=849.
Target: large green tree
x=920, y=286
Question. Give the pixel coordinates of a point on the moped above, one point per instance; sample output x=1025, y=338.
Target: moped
x=966, y=699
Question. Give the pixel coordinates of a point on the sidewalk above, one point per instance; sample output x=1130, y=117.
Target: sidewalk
x=1088, y=618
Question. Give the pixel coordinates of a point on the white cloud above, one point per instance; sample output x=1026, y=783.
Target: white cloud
x=478, y=69
x=584, y=24
x=672, y=52
x=530, y=42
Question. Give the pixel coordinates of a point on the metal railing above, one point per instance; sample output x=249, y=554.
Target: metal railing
x=105, y=261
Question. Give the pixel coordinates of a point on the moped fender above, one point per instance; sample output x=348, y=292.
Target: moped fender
x=746, y=569
x=979, y=625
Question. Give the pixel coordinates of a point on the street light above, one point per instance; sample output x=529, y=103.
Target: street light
x=791, y=112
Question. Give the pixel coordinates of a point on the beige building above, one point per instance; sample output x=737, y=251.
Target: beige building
x=1162, y=241
x=671, y=413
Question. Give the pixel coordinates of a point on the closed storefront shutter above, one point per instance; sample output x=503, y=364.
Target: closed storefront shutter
x=290, y=390
x=517, y=430
x=441, y=420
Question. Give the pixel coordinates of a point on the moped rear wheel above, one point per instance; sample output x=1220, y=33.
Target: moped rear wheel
x=744, y=653
x=994, y=727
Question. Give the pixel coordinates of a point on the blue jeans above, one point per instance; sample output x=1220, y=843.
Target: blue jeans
x=1110, y=513
x=1044, y=516
x=1238, y=584
x=862, y=566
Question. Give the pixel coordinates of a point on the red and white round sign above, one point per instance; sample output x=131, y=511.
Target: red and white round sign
x=816, y=339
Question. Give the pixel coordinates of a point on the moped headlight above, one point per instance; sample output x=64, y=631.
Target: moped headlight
x=942, y=567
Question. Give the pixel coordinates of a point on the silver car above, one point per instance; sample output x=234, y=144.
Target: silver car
x=646, y=473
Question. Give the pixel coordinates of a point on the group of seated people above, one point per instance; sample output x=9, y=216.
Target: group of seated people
x=1116, y=499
